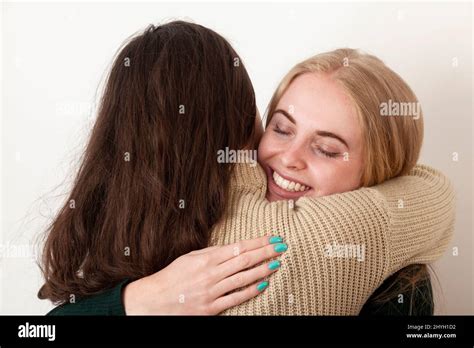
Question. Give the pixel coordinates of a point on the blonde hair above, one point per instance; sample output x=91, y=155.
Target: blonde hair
x=391, y=144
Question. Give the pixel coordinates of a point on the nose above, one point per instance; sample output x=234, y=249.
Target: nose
x=293, y=157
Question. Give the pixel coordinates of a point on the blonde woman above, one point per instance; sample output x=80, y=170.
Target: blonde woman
x=312, y=279
x=326, y=133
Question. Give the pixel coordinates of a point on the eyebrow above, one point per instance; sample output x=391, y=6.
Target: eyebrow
x=319, y=132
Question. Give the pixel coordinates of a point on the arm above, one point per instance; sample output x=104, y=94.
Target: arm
x=341, y=247
x=197, y=283
x=416, y=301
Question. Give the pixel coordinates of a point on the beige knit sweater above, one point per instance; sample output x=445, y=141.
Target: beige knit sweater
x=340, y=247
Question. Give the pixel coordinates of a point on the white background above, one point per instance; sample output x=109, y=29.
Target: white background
x=54, y=57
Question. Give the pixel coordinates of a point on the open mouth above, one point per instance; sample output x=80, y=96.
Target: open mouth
x=289, y=185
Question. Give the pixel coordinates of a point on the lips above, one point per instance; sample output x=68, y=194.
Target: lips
x=289, y=185
x=276, y=193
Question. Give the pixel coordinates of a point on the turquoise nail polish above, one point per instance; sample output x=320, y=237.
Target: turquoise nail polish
x=274, y=265
x=262, y=286
x=275, y=239
x=281, y=247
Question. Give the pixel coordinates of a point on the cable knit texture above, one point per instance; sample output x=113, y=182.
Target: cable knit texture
x=340, y=247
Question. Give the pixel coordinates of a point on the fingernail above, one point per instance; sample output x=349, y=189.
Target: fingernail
x=274, y=265
x=280, y=247
x=262, y=286
x=275, y=239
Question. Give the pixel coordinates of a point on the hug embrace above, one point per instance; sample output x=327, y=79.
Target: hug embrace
x=337, y=218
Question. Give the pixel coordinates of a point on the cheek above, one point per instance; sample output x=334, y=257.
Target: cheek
x=330, y=176
x=354, y=168
x=322, y=177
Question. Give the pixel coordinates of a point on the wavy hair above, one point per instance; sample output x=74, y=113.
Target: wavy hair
x=149, y=187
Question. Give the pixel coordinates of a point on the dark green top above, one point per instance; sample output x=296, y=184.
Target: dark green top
x=108, y=302
x=416, y=301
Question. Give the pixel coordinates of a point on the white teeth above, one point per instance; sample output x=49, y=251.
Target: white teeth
x=288, y=185
x=278, y=180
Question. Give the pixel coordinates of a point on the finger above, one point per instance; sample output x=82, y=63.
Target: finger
x=238, y=297
x=248, y=259
x=245, y=278
x=230, y=251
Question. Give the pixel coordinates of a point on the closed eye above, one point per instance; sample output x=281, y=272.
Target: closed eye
x=326, y=153
x=277, y=129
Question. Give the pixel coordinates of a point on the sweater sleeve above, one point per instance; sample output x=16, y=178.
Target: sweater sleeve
x=413, y=214
x=108, y=302
x=340, y=247
x=420, y=209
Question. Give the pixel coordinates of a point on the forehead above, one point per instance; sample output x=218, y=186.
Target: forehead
x=319, y=102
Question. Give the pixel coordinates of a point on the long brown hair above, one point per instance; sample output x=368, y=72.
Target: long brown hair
x=149, y=187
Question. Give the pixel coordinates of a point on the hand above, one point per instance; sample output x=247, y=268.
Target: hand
x=198, y=283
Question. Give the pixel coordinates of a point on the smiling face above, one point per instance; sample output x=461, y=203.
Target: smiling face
x=312, y=145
